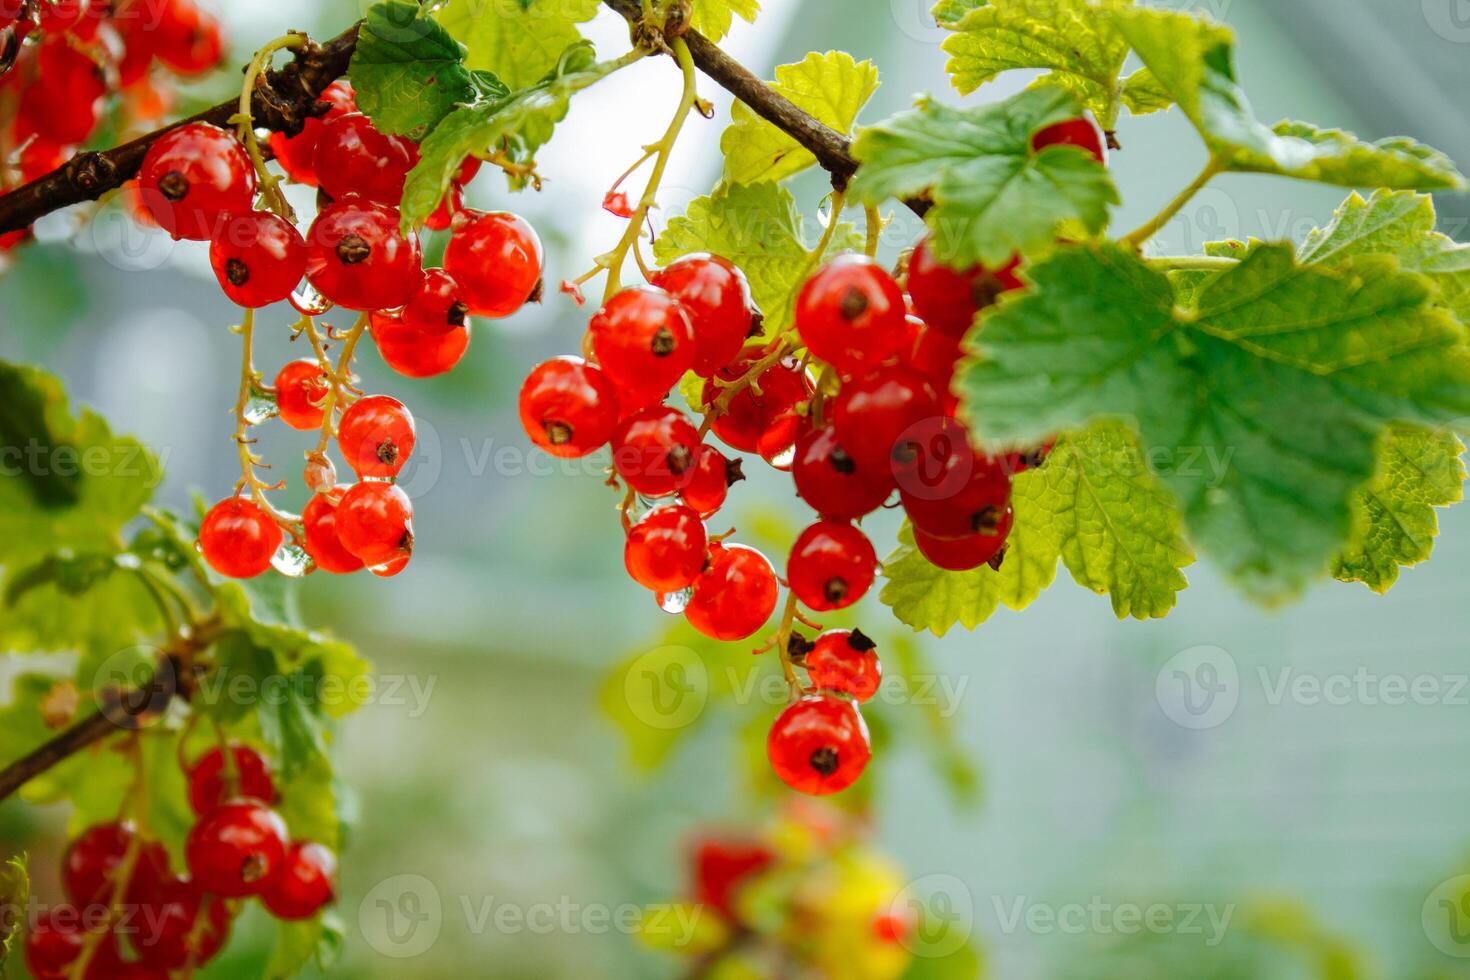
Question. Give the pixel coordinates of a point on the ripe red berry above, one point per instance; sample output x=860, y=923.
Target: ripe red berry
x=300, y=388
x=297, y=154
x=234, y=849
x=356, y=257
x=166, y=932
x=376, y=435
x=735, y=594
x=644, y=341
x=832, y=482
x=353, y=157
x=63, y=102
x=716, y=296
x=322, y=540
x=964, y=554
x=819, y=745
x=851, y=314
x=238, y=539
x=653, y=449
x=56, y=940
x=392, y=568
x=258, y=258
x=188, y=39
x=722, y=866
x=1081, y=132
x=881, y=417
x=936, y=357
x=496, y=259
x=91, y=863
x=616, y=204
x=845, y=662
x=193, y=178
x=832, y=565
x=666, y=550
x=305, y=884
x=756, y=410
x=947, y=299
x=450, y=205
x=436, y=307
x=412, y=352
x=210, y=785
x=970, y=497
x=569, y=407
x=375, y=523
x=706, y=486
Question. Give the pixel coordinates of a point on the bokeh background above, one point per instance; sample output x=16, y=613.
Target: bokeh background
x=1116, y=762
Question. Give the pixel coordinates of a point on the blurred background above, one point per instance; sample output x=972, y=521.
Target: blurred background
x=1186, y=762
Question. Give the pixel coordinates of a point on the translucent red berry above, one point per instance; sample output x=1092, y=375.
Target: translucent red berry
x=195, y=177
x=188, y=39
x=496, y=259
x=735, y=595
x=880, y=417
x=376, y=435
x=55, y=942
x=258, y=258
x=832, y=565
x=964, y=554
x=819, y=745
x=323, y=542
x=706, y=486
x=716, y=296
x=970, y=497
x=948, y=299
x=416, y=354
x=90, y=866
x=300, y=387
x=666, y=550
x=167, y=933
x=616, y=204
x=844, y=662
x=759, y=408
x=832, y=482
x=297, y=154
x=851, y=314
x=305, y=883
x=210, y=785
x=435, y=308
x=375, y=523
x=235, y=848
x=357, y=257
x=1081, y=132
x=644, y=341
x=353, y=157
x=238, y=539
x=569, y=407
x=653, y=449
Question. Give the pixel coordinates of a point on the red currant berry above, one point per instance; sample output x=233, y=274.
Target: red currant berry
x=832, y=566
x=238, y=539
x=964, y=554
x=735, y=595
x=643, y=339
x=450, y=205
x=936, y=357
x=666, y=550
x=193, y=178
x=375, y=523
x=751, y=414
x=879, y=418
x=167, y=934
x=300, y=388
x=970, y=497
x=616, y=204
x=322, y=541
x=414, y=353
x=653, y=449
x=210, y=785
x=851, y=314
x=947, y=299
x=845, y=662
x=1081, y=132
x=353, y=157
x=235, y=848
x=56, y=941
x=819, y=745
x=91, y=862
x=436, y=307
x=189, y=40
x=832, y=482
x=496, y=259
x=376, y=435
x=297, y=154
x=706, y=486
x=722, y=866
x=305, y=884
x=258, y=258
x=356, y=257
x=569, y=407
x=716, y=296
x=63, y=103
x=392, y=568
x=56, y=18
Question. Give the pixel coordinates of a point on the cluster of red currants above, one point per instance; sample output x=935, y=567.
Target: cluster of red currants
x=72, y=59
x=197, y=182
x=133, y=918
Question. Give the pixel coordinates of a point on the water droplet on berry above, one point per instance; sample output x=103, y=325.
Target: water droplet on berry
x=674, y=603
x=260, y=408
x=290, y=559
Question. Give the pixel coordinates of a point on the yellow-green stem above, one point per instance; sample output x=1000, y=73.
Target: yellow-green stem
x=270, y=185
x=1139, y=236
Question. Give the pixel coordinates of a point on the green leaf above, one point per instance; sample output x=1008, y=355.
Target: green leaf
x=95, y=604
x=759, y=229
x=1143, y=93
x=15, y=893
x=1260, y=406
x=949, y=13
x=993, y=197
x=1076, y=39
x=1418, y=470
x=518, y=40
x=68, y=482
x=298, y=944
x=407, y=71
x=713, y=18
x=1193, y=61
x=831, y=87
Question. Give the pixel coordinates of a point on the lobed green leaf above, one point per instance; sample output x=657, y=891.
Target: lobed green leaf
x=713, y=18
x=519, y=41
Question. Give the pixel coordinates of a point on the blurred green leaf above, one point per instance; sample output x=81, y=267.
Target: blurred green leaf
x=713, y=18
x=15, y=894
x=518, y=40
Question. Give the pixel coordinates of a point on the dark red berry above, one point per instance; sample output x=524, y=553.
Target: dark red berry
x=643, y=340
x=297, y=154
x=880, y=417
x=235, y=848
x=569, y=407
x=210, y=785
x=706, y=486
x=832, y=566
x=300, y=388
x=964, y=554
x=851, y=314
x=1081, y=132
x=375, y=523
x=653, y=449
x=376, y=435
x=845, y=662
x=948, y=299
x=56, y=940
x=496, y=259
x=305, y=884
x=716, y=296
x=666, y=550
x=357, y=257
x=91, y=863
x=970, y=497
x=416, y=354
x=735, y=595
x=819, y=745
x=353, y=157
x=238, y=539
x=195, y=177
x=323, y=542
x=832, y=482
x=166, y=932
x=757, y=409
x=258, y=258
x=436, y=307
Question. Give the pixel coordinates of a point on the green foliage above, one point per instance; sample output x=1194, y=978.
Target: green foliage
x=519, y=41
x=713, y=18
x=993, y=197
x=15, y=892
